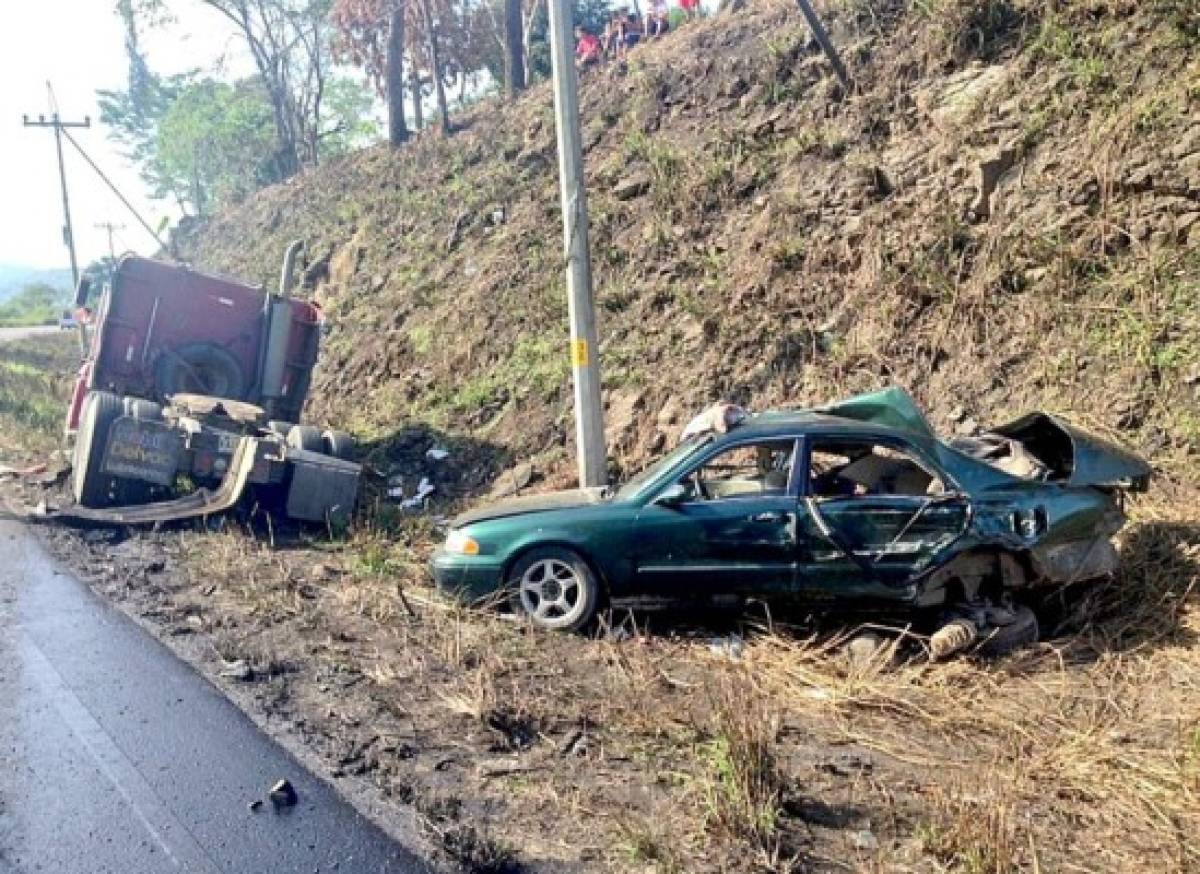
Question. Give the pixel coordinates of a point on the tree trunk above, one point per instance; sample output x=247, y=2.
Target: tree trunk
x=435, y=62
x=414, y=83
x=514, y=51
x=397, y=130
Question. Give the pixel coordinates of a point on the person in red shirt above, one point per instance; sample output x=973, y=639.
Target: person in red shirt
x=587, y=49
x=691, y=8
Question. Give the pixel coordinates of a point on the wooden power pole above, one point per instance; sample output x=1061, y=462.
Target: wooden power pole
x=58, y=124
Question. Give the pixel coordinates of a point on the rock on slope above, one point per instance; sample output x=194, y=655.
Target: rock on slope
x=1005, y=215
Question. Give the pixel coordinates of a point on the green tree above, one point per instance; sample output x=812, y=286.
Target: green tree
x=216, y=144
x=349, y=120
x=36, y=304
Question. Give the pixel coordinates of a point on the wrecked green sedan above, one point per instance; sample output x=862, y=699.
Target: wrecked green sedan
x=855, y=507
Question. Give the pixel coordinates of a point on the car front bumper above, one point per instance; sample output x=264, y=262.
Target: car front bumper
x=467, y=576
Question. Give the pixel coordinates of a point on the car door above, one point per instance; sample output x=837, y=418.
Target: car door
x=876, y=514
x=727, y=526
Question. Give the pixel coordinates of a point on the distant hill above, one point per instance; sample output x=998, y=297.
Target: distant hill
x=15, y=277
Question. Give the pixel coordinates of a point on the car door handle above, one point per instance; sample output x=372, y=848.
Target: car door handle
x=767, y=517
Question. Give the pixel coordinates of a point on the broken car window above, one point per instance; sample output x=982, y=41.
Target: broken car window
x=841, y=468
x=745, y=471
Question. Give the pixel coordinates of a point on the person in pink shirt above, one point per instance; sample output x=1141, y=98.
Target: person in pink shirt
x=587, y=49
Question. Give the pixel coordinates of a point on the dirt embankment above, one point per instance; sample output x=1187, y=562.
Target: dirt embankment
x=1004, y=216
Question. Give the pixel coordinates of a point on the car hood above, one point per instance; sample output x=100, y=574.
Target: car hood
x=564, y=500
x=1080, y=458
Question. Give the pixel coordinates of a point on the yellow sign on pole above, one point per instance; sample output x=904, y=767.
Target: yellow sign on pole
x=579, y=353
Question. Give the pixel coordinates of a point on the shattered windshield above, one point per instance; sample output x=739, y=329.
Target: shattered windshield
x=635, y=484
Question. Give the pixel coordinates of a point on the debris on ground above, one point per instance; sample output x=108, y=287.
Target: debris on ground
x=239, y=669
x=731, y=646
x=283, y=794
x=425, y=489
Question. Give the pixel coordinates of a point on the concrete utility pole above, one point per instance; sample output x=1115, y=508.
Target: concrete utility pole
x=585, y=357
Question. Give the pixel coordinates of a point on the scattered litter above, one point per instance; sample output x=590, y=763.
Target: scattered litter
x=424, y=489
x=238, y=670
x=282, y=794
x=865, y=840
x=731, y=646
x=437, y=453
x=862, y=649
x=255, y=805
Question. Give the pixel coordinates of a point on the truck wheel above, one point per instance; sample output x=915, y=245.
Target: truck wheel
x=91, y=487
x=199, y=368
x=305, y=437
x=339, y=444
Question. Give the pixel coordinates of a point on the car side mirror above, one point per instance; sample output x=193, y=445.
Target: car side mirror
x=672, y=496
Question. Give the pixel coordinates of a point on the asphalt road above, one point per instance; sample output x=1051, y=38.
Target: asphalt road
x=115, y=756
x=21, y=333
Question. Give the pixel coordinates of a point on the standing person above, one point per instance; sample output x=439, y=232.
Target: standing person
x=631, y=29
x=609, y=38
x=691, y=9
x=587, y=49
x=657, y=20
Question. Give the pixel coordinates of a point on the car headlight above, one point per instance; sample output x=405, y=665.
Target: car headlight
x=459, y=542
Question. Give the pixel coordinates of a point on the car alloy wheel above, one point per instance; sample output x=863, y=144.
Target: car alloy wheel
x=553, y=592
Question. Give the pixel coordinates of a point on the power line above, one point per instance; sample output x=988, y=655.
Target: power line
x=115, y=190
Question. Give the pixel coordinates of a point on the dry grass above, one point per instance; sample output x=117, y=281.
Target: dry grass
x=35, y=380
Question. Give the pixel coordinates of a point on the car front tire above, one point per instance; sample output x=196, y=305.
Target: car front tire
x=555, y=588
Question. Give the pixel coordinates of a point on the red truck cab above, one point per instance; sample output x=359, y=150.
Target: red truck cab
x=193, y=374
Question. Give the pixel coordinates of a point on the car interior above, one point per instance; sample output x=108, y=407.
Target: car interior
x=841, y=468
x=750, y=470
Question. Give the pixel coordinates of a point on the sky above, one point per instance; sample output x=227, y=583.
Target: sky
x=78, y=46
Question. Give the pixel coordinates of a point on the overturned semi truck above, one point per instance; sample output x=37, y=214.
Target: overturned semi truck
x=201, y=379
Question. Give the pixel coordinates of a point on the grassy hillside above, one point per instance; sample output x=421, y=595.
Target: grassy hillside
x=761, y=237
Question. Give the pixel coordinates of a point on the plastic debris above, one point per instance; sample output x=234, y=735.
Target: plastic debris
x=731, y=646
x=437, y=453
x=283, y=794
x=424, y=490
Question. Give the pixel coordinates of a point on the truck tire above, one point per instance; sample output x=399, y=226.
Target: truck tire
x=339, y=444
x=92, y=488
x=305, y=437
x=199, y=368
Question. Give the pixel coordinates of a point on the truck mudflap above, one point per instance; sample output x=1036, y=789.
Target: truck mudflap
x=202, y=502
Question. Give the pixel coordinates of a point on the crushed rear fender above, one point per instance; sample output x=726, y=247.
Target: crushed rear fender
x=1077, y=457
